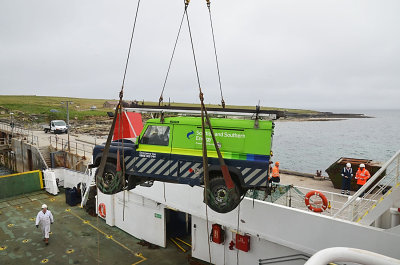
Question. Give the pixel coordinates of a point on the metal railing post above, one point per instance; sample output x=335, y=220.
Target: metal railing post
x=398, y=169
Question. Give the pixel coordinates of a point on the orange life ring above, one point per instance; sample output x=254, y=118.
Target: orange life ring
x=323, y=198
x=102, y=210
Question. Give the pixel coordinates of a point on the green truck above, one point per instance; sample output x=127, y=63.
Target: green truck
x=170, y=150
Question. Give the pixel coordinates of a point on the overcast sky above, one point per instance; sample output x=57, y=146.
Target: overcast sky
x=294, y=54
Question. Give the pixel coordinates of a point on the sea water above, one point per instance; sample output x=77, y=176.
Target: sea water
x=307, y=146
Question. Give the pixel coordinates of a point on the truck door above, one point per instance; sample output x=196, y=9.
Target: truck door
x=187, y=154
x=154, y=152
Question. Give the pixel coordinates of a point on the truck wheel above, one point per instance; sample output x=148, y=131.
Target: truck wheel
x=45, y=131
x=111, y=181
x=219, y=198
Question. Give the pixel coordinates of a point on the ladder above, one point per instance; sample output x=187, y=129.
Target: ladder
x=90, y=183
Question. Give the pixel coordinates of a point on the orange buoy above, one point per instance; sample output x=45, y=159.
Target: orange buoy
x=102, y=210
x=323, y=198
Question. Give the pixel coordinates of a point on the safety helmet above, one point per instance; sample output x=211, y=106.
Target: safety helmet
x=44, y=206
x=348, y=165
x=276, y=163
x=362, y=165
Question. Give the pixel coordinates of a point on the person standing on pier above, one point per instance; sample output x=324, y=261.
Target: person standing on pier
x=44, y=219
x=347, y=174
x=362, y=176
x=275, y=177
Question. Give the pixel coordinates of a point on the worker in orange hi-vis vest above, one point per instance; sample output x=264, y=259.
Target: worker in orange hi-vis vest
x=275, y=177
x=362, y=176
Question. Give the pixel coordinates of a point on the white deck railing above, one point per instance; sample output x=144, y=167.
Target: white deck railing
x=374, y=193
x=294, y=197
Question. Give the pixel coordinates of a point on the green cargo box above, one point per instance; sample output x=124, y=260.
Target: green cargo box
x=20, y=183
x=335, y=170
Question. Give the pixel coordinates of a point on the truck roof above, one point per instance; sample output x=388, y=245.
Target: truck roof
x=215, y=122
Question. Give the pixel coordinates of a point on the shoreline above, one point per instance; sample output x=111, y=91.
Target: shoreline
x=323, y=116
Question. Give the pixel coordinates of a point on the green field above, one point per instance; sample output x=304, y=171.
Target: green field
x=37, y=108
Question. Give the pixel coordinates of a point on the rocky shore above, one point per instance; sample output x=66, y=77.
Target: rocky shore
x=321, y=116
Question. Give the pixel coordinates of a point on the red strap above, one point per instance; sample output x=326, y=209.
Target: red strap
x=227, y=177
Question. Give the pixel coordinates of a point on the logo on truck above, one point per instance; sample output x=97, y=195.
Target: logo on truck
x=190, y=135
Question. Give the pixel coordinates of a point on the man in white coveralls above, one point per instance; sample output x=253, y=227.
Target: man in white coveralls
x=44, y=219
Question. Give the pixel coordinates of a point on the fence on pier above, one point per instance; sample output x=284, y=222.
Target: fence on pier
x=71, y=146
x=20, y=133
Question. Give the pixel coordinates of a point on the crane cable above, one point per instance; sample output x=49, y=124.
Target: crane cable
x=160, y=100
x=224, y=168
x=103, y=161
x=100, y=171
x=203, y=129
x=216, y=55
x=120, y=107
x=205, y=118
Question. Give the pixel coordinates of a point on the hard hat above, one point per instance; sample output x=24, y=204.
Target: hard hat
x=362, y=165
x=276, y=163
x=348, y=165
x=44, y=206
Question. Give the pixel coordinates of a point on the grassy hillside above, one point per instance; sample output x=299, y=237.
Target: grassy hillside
x=37, y=108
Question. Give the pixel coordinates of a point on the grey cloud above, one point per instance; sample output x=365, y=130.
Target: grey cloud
x=299, y=54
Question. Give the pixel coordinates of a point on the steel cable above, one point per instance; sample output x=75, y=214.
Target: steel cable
x=103, y=161
x=129, y=50
x=204, y=145
x=172, y=57
x=216, y=55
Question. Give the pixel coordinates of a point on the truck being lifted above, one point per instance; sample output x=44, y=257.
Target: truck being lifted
x=56, y=126
x=170, y=150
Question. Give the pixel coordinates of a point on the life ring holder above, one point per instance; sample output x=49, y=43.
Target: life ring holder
x=102, y=210
x=323, y=198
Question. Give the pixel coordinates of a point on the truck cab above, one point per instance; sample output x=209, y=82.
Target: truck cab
x=170, y=150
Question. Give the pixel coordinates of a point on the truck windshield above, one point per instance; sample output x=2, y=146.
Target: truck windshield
x=59, y=123
x=156, y=135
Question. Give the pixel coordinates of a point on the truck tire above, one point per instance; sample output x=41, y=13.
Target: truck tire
x=46, y=131
x=111, y=181
x=219, y=198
